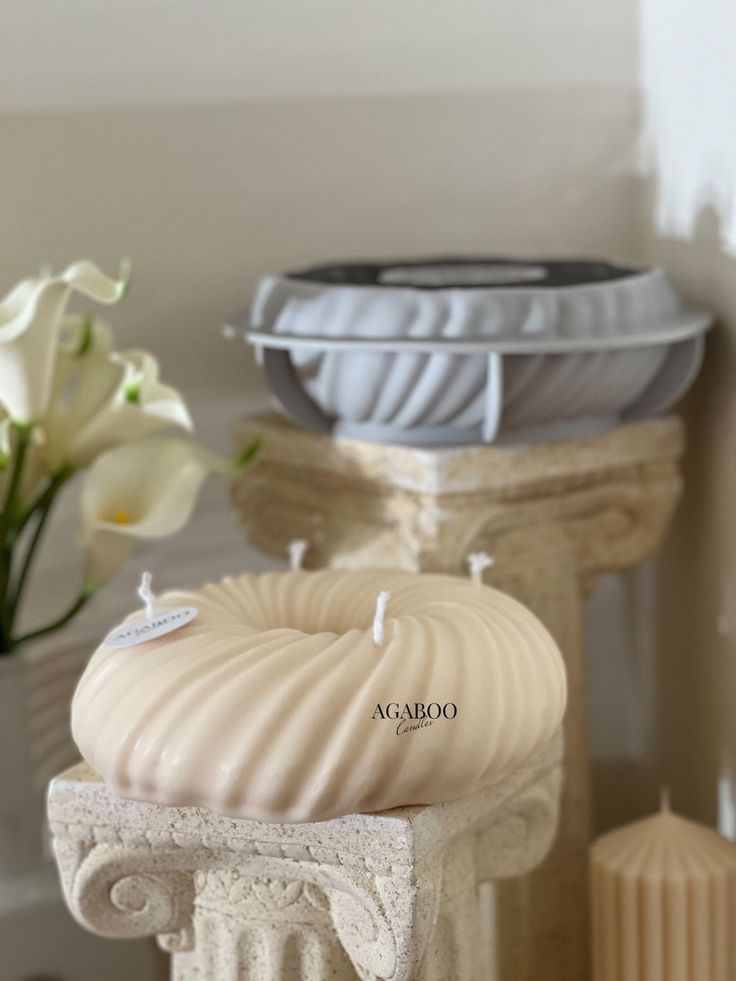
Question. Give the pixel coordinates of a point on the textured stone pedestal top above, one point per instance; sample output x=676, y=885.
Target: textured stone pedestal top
x=388, y=895
x=456, y=469
x=368, y=504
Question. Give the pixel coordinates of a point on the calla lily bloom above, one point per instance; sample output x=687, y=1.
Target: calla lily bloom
x=70, y=401
x=30, y=320
x=145, y=489
x=103, y=397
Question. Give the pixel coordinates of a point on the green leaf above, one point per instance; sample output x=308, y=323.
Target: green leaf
x=126, y=270
x=85, y=341
x=133, y=391
x=248, y=455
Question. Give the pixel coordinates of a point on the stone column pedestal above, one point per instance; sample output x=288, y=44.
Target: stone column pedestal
x=371, y=896
x=553, y=516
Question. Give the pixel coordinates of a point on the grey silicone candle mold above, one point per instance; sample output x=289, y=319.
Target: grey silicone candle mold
x=473, y=350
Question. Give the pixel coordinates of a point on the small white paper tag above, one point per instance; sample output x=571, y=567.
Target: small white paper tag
x=141, y=631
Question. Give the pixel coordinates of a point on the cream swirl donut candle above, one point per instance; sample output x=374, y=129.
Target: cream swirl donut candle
x=282, y=702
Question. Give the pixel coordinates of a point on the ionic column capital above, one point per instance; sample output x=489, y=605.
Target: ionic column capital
x=360, y=894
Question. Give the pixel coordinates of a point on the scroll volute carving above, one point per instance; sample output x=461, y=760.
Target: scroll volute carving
x=120, y=891
x=521, y=840
x=384, y=924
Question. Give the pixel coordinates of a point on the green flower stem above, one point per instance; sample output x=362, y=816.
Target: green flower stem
x=16, y=474
x=7, y=528
x=40, y=510
x=88, y=591
x=45, y=497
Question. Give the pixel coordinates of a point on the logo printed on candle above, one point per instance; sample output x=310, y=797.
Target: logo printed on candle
x=141, y=631
x=412, y=716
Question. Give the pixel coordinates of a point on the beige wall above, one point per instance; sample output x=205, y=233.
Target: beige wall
x=104, y=53
x=206, y=198
x=212, y=143
x=688, y=219
x=696, y=650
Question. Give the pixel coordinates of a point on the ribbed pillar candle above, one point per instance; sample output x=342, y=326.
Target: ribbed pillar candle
x=664, y=902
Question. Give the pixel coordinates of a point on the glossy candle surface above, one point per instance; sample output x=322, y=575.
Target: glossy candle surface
x=664, y=902
x=276, y=703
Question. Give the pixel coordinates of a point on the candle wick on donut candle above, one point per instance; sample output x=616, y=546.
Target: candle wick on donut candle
x=478, y=562
x=146, y=594
x=297, y=548
x=378, y=619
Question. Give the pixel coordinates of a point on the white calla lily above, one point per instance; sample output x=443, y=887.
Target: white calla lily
x=68, y=400
x=82, y=334
x=103, y=397
x=30, y=320
x=145, y=489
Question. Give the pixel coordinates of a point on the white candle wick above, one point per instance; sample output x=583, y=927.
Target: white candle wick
x=297, y=548
x=478, y=562
x=381, y=604
x=664, y=800
x=146, y=594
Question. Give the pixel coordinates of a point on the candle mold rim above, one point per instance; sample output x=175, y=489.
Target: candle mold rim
x=638, y=307
x=690, y=322
x=359, y=274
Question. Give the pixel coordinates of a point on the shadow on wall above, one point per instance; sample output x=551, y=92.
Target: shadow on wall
x=695, y=593
x=622, y=692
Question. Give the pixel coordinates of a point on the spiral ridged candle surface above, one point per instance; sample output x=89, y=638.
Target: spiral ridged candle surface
x=277, y=704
